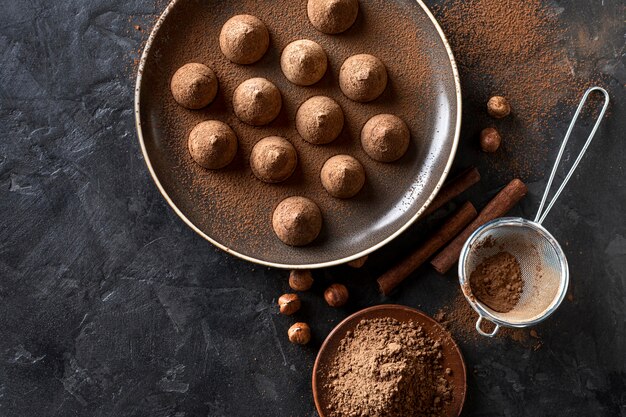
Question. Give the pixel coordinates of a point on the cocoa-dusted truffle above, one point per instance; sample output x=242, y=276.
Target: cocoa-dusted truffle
x=343, y=176
x=273, y=159
x=244, y=39
x=194, y=86
x=363, y=78
x=332, y=16
x=319, y=120
x=212, y=144
x=297, y=221
x=303, y=62
x=385, y=137
x=257, y=101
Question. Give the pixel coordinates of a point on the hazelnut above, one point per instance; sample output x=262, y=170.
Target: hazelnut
x=490, y=139
x=336, y=295
x=300, y=280
x=289, y=304
x=299, y=333
x=498, y=107
x=358, y=263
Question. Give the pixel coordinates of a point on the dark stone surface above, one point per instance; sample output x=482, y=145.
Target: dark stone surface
x=111, y=306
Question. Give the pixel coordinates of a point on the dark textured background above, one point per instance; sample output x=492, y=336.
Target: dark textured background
x=111, y=306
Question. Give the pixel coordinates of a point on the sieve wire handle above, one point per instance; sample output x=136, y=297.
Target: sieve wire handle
x=541, y=215
x=482, y=332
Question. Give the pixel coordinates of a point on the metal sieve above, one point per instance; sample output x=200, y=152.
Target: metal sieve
x=543, y=264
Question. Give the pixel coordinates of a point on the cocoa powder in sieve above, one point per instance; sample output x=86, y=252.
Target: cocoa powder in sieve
x=497, y=282
x=388, y=368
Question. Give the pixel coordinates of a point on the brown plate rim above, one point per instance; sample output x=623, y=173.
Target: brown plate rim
x=385, y=307
x=315, y=265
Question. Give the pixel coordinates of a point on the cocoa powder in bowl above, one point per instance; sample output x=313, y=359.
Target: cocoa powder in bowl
x=234, y=208
x=387, y=368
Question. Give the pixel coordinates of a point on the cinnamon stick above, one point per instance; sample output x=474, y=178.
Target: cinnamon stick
x=497, y=207
x=453, y=188
x=455, y=223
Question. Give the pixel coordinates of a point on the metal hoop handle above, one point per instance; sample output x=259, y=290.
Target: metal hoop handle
x=541, y=215
x=481, y=331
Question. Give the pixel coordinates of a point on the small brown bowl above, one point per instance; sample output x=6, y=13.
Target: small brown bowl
x=452, y=355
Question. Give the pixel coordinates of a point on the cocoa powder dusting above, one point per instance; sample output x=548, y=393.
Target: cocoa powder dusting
x=388, y=368
x=497, y=282
x=458, y=317
x=515, y=49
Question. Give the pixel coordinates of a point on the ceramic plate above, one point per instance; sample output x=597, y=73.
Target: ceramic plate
x=231, y=208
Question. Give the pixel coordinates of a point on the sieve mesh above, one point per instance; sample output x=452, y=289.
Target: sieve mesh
x=542, y=263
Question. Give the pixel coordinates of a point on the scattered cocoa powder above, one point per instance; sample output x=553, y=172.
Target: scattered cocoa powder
x=497, y=282
x=459, y=318
x=388, y=368
x=516, y=49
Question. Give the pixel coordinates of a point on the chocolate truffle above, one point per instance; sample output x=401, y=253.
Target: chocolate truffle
x=257, y=101
x=273, y=159
x=297, y=221
x=244, y=39
x=212, y=144
x=194, y=86
x=303, y=62
x=319, y=120
x=362, y=78
x=332, y=16
x=385, y=138
x=343, y=176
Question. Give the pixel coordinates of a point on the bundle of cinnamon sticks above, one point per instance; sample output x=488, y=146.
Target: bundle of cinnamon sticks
x=455, y=230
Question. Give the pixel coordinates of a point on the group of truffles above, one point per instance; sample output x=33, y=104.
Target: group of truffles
x=212, y=144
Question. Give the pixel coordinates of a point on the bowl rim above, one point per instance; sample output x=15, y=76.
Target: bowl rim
x=317, y=265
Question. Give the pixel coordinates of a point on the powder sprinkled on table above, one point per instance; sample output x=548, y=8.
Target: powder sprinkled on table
x=514, y=49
